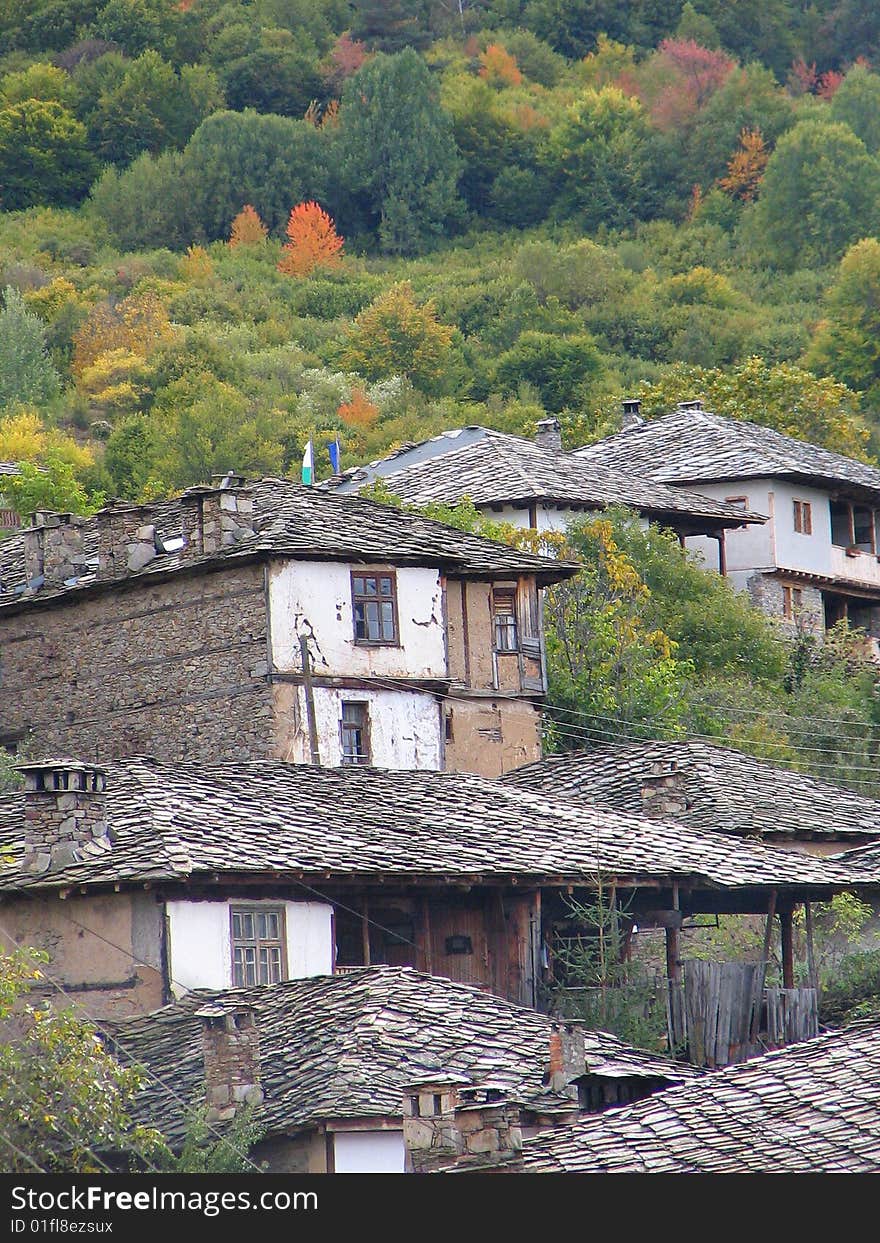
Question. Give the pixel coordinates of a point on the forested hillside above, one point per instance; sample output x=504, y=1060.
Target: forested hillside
x=232, y=227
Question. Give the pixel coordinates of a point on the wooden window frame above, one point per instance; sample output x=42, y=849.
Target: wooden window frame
x=500, y=594
x=364, y=597
x=254, y=909
x=792, y=601
x=365, y=756
x=803, y=517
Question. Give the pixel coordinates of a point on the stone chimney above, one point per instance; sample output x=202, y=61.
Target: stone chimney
x=64, y=813
x=684, y=406
x=126, y=539
x=663, y=791
x=231, y=1049
x=446, y=1123
x=549, y=435
x=218, y=517
x=53, y=548
x=632, y=414
x=568, y=1059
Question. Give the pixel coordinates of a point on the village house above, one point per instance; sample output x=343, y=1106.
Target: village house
x=238, y=622
x=811, y=1108
x=706, y=786
x=144, y=881
x=817, y=559
x=326, y=1063
x=534, y=484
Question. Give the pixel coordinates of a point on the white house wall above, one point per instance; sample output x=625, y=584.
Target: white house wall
x=200, y=945
x=747, y=548
x=314, y=598
x=404, y=726
x=549, y=518
x=368, y=1152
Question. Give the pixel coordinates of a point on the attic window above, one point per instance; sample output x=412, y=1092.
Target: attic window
x=504, y=619
x=374, y=604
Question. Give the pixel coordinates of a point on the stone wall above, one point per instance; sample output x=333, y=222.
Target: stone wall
x=766, y=592
x=231, y=1049
x=176, y=669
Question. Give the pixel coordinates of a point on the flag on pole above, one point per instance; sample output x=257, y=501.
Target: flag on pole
x=333, y=450
x=308, y=464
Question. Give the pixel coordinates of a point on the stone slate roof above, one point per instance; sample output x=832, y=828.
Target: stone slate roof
x=291, y=520
x=345, y=1046
x=179, y=822
x=809, y=1108
x=10, y=468
x=500, y=469
x=693, y=446
x=725, y=790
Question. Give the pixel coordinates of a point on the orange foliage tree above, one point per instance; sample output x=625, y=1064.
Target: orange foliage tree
x=312, y=241
x=745, y=168
x=247, y=228
x=360, y=411
x=499, y=67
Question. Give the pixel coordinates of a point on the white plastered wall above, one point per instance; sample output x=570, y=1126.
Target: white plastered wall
x=200, y=945
x=368, y=1152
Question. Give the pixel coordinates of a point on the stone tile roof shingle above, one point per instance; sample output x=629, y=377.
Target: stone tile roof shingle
x=692, y=446
x=178, y=821
x=309, y=524
x=500, y=469
x=724, y=789
x=344, y=1046
x=809, y=1108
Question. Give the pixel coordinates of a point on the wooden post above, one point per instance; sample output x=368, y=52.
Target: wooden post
x=673, y=950
x=365, y=929
x=761, y=973
x=427, y=950
x=722, y=555
x=787, y=934
x=811, y=954
x=310, y=698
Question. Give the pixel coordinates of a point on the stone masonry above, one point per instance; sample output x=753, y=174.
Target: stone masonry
x=663, y=792
x=231, y=1049
x=53, y=548
x=766, y=592
x=446, y=1122
x=174, y=668
x=64, y=814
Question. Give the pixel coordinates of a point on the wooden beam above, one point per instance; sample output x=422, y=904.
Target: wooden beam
x=761, y=973
x=811, y=955
x=365, y=929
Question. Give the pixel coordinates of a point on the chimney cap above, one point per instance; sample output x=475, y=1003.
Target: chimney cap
x=35, y=772
x=231, y=479
x=631, y=405
x=437, y=1078
x=684, y=406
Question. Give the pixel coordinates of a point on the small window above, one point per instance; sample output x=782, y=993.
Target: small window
x=504, y=619
x=792, y=602
x=257, y=945
x=863, y=528
x=354, y=729
x=741, y=502
x=374, y=602
x=803, y=517
x=841, y=524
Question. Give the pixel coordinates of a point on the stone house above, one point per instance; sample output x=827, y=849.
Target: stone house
x=334, y=1064
x=275, y=620
x=712, y=787
x=817, y=559
x=145, y=881
x=535, y=484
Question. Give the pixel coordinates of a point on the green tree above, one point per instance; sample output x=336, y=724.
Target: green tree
x=396, y=336
x=64, y=1100
x=151, y=108
x=283, y=80
x=43, y=155
x=269, y=162
x=51, y=485
x=398, y=155
x=598, y=155
x=561, y=368
x=26, y=374
x=820, y=193
x=856, y=103
x=847, y=341
x=391, y=25
x=147, y=205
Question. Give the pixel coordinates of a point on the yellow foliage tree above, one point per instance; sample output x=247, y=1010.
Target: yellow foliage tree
x=396, y=336
x=138, y=323
x=247, y=229
x=49, y=300
x=24, y=437
x=312, y=241
x=196, y=267
x=746, y=167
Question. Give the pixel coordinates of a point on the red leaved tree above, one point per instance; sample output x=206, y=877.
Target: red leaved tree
x=247, y=228
x=312, y=241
